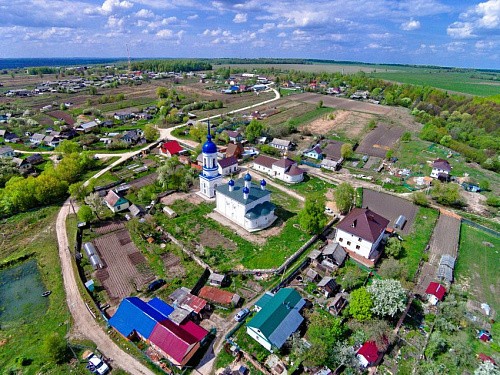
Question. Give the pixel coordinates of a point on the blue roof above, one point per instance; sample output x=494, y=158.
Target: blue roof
x=161, y=306
x=248, y=177
x=209, y=147
x=135, y=314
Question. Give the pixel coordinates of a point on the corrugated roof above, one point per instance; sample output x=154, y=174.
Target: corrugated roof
x=436, y=290
x=265, y=161
x=364, y=223
x=294, y=171
x=226, y=162
x=280, y=142
x=216, y=295
x=164, y=308
x=441, y=164
x=282, y=308
x=256, y=192
x=173, y=147
x=264, y=299
x=114, y=199
x=369, y=350
x=135, y=314
x=332, y=150
x=284, y=163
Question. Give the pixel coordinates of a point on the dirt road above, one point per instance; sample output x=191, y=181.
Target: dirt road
x=84, y=324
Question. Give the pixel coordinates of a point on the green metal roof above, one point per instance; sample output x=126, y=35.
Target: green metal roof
x=237, y=194
x=275, y=311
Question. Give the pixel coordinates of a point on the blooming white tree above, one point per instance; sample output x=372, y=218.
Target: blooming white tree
x=487, y=368
x=388, y=297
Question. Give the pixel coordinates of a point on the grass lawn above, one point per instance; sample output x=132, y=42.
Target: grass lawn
x=311, y=186
x=192, y=221
x=34, y=233
x=478, y=262
x=414, y=244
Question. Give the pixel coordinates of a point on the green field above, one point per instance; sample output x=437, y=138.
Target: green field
x=478, y=261
x=460, y=82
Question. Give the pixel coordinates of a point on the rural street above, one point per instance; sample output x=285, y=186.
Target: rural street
x=83, y=322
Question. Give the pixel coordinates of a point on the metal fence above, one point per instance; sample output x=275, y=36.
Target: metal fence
x=481, y=227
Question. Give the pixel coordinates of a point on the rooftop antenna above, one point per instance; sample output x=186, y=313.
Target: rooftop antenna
x=128, y=54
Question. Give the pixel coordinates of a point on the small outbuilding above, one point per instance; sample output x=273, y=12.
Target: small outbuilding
x=435, y=292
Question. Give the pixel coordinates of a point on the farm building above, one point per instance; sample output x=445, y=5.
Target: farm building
x=360, y=233
x=278, y=318
x=245, y=204
x=116, y=203
x=281, y=144
x=217, y=279
x=328, y=286
x=441, y=169
x=234, y=150
x=283, y=169
x=170, y=148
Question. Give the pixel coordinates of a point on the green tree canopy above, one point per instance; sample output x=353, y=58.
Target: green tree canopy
x=151, y=133
x=447, y=194
x=312, y=217
x=68, y=147
x=254, y=130
x=388, y=297
x=393, y=248
x=85, y=214
x=175, y=175
x=55, y=347
x=360, y=304
x=346, y=151
x=344, y=197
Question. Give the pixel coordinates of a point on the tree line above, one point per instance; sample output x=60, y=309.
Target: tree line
x=171, y=65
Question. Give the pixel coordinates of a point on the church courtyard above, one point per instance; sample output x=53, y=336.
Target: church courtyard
x=223, y=245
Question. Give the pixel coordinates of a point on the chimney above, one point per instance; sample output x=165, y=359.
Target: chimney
x=354, y=223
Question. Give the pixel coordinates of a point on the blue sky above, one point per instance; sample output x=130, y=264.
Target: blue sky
x=438, y=32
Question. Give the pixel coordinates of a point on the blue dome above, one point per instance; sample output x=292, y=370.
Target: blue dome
x=248, y=177
x=209, y=147
x=231, y=182
x=246, y=190
x=263, y=182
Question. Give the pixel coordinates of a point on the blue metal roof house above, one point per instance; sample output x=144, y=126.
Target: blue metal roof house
x=135, y=315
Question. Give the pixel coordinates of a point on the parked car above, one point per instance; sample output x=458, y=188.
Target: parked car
x=156, y=284
x=241, y=315
x=96, y=365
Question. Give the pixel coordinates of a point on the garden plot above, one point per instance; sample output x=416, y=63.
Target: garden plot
x=390, y=207
x=144, y=181
x=348, y=123
x=380, y=140
x=126, y=268
x=341, y=103
x=108, y=227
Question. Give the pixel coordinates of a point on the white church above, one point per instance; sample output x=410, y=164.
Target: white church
x=241, y=201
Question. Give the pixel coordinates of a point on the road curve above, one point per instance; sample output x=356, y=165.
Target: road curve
x=83, y=322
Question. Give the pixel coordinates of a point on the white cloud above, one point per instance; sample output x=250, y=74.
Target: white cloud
x=144, y=13
x=193, y=17
x=267, y=27
x=461, y=30
x=410, y=25
x=487, y=14
x=115, y=23
x=240, y=18
x=209, y=32
x=484, y=45
x=110, y=6
x=456, y=46
x=165, y=34
x=282, y=35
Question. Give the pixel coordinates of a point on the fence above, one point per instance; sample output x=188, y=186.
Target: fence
x=481, y=227
x=310, y=163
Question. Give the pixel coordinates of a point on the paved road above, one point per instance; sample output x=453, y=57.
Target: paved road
x=83, y=322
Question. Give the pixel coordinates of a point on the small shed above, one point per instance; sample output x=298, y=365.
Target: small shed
x=328, y=286
x=400, y=222
x=312, y=276
x=96, y=262
x=89, y=249
x=169, y=212
x=217, y=279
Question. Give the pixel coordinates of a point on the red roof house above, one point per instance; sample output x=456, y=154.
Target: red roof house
x=171, y=148
x=219, y=296
x=178, y=343
x=435, y=292
x=368, y=353
x=485, y=358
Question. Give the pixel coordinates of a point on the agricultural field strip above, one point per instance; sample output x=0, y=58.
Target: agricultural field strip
x=380, y=140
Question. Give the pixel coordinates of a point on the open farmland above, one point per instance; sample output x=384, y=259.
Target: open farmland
x=126, y=270
x=314, y=67
x=345, y=123
x=341, y=103
x=380, y=140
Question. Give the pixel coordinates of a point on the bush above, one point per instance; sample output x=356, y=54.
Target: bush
x=420, y=199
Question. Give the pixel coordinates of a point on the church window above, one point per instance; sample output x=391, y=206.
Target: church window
x=348, y=243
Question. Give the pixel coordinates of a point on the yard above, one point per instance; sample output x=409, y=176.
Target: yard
x=233, y=252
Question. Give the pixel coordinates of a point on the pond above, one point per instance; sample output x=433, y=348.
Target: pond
x=21, y=289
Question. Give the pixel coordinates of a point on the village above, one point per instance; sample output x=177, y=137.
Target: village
x=249, y=251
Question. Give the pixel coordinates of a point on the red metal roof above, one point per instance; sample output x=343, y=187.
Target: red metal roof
x=216, y=295
x=174, y=340
x=369, y=350
x=436, y=290
x=485, y=358
x=172, y=147
x=364, y=223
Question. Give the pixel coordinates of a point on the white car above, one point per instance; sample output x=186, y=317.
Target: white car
x=97, y=365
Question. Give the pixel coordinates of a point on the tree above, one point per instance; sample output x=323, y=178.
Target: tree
x=388, y=297
x=151, y=133
x=68, y=147
x=323, y=332
x=437, y=345
x=393, y=248
x=447, y=194
x=319, y=105
x=162, y=92
x=406, y=137
x=353, y=277
x=85, y=214
x=419, y=198
x=254, y=130
x=174, y=175
x=389, y=154
x=342, y=354
x=391, y=269
x=312, y=217
x=487, y=368
x=360, y=304
x=7, y=170
x=198, y=132
x=96, y=204
x=346, y=151
x=56, y=347
x=344, y=197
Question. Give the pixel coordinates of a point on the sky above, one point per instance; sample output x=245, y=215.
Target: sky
x=456, y=33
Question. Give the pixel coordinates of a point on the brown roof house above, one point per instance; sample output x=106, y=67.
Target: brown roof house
x=441, y=169
x=284, y=169
x=332, y=155
x=234, y=149
x=219, y=296
x=360, y=233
